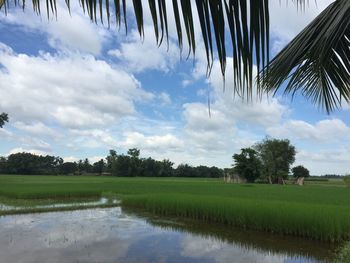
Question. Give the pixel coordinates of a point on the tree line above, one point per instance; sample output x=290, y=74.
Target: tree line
x=128, y=165
x=269, y=160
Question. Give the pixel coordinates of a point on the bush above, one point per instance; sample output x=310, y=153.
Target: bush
x=347, y=180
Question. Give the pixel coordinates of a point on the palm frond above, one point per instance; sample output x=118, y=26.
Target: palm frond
x=247, y=21
x=317, y=61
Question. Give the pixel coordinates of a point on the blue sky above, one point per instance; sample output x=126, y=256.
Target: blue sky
x=76, y=89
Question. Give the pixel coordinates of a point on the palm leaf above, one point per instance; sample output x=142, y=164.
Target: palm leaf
x=316, y=62
x=247, y=21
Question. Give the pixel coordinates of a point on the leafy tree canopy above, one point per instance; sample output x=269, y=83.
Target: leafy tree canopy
x=3, y=119
x=300, y=171
x=247, y=164
x=276, y=156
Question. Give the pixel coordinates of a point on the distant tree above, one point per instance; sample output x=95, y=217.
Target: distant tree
x=134, y=162
x=247, y=164
x=216, y=172
x=27, y=163
x=111, y=158
x=80, y=167
x=87, y=168
x=122, y=166
x=166, y=168
x=3, y=165
x=99, y=167
x=68, y=168
x=3, y=119
x=134, y=153
x=347, y=180
x=185, y=170
x=150, y=167
x=276, y=157
x=300, y=171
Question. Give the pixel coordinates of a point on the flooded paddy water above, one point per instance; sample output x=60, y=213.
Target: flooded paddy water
x=116, y=235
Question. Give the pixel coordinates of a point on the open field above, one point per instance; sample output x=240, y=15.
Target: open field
x=312, y=211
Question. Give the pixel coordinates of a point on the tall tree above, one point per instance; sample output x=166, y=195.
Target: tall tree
x=247, y=164
x=99, y=167
x=134, y=162
x=3, y=119
x=111, y=158
x=276, y=157
x=316, y=62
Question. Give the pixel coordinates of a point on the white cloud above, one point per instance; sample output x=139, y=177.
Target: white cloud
x=287, y=20
x=323, y=131
x=94, y=138
x=164, y=98
x=71, y=159
x=36, y=128
x=232, y=123
x=195, y=247
x=69, y=32
x=75, y=91
x=160, y=143
x=326, y=161
x=139, y=56
x=4, y=133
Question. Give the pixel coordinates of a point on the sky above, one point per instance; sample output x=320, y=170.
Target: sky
x=76, y=89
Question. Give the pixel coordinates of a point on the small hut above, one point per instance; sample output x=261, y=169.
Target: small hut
x=234, y=178
x=300, y=181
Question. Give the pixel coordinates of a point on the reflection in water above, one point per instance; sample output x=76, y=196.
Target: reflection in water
x=99, y=202
x=295, y=248
x=111, y=235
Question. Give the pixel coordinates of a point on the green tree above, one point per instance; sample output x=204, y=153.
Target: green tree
x=28, y=163
x=122, y=166
x=300, y=171
x=111, y=159
x=185, y=170
x=3, y=119
x=166, y=168
x=68, y=168
x=87, y=166
x=247, y=164
x=99, y=167
x=80, y=167
x=276, y=157
x=315, y=63
x=134, y=153
x=134, y=162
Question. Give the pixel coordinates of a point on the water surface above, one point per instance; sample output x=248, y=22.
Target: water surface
x=113, y=235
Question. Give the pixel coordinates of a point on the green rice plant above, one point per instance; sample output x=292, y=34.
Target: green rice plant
x=312, y=211
x=321, y=222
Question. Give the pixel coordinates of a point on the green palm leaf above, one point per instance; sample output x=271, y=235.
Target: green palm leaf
x=317, y=61
x=248, y=21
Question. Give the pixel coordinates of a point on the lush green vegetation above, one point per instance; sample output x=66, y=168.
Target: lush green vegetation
x=268, y=160
x=129, y=165
x=347, y=180
x=310, y=211
x=300, y=171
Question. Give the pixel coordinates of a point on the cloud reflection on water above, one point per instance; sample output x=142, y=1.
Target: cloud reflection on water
x=109, y=235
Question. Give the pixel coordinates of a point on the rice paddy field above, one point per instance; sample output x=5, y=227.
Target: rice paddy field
x=314, y=211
